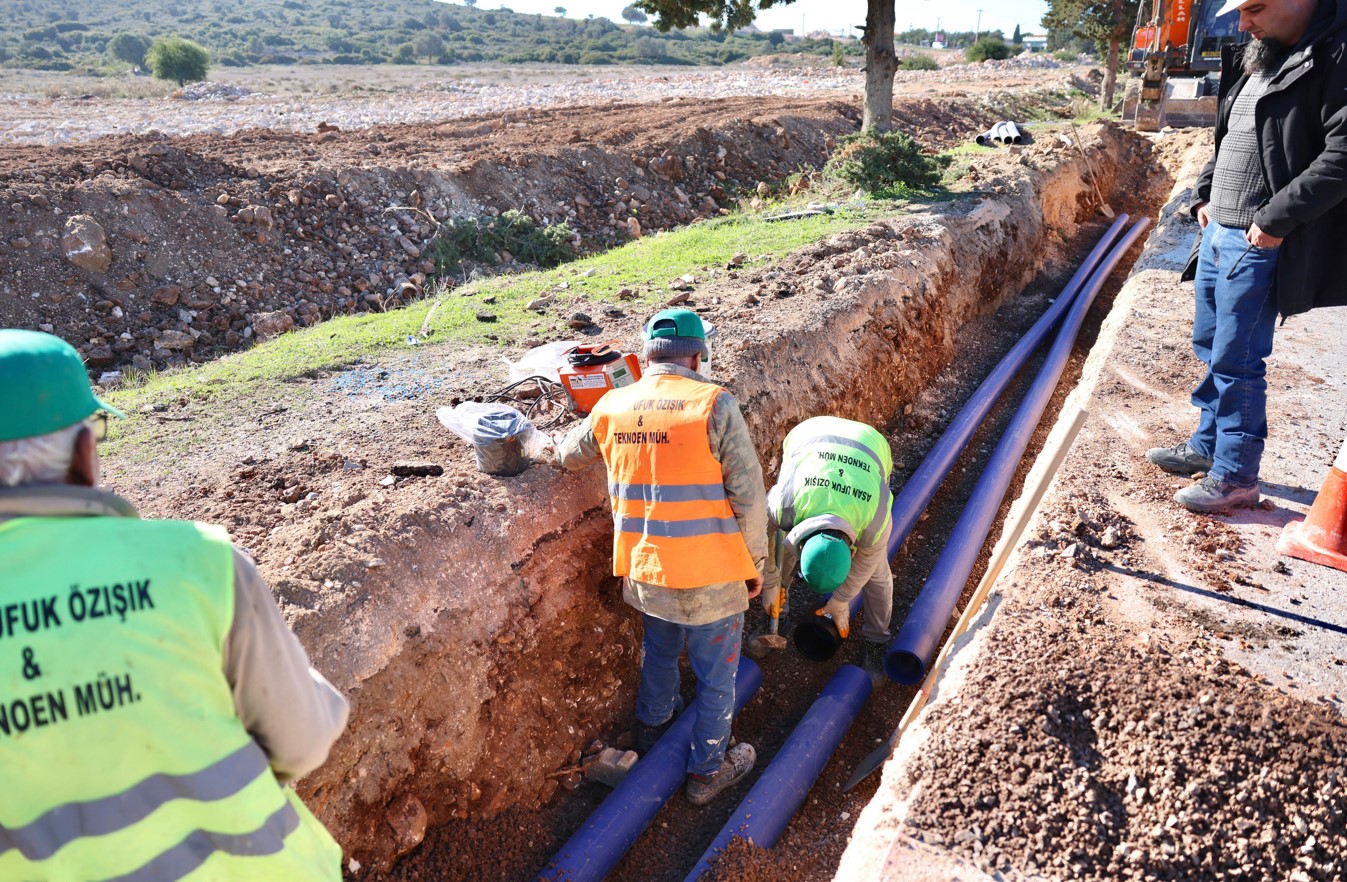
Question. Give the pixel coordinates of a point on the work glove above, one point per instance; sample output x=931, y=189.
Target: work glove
x=839, y=611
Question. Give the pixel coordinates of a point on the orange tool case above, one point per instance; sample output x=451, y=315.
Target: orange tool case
x=590, y=371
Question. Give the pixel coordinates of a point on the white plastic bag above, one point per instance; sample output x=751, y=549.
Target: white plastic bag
x=502, y=438
x=541, y=361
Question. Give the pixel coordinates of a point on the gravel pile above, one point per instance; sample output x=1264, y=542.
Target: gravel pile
x=217, y=91
x=1111, y=758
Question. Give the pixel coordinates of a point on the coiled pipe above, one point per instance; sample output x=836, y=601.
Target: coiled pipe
x=763, y=814
x=620, y=819
x=817, y=637
x=911, y=651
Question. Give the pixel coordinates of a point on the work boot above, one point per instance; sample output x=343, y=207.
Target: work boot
x=872, y=658
x=645, y=736
x=1180, y=459
x=738, y=762
x=1212, y=494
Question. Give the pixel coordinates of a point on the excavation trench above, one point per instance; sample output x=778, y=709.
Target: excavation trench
x=474, y=621
x=490, y=647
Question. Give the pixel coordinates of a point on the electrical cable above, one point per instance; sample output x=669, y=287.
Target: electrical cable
x=548, y=405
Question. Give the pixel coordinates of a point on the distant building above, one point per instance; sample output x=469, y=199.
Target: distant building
x=1034, y=42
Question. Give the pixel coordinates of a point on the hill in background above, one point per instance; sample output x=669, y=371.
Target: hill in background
x=95, y=34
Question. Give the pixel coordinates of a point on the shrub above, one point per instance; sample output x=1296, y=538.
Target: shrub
x=839, y=55
x=919, y=61
x=130, y=48
x=986, y=48
x=885, y=164
x=481, y=239
x=405, y=54
x=173, y=58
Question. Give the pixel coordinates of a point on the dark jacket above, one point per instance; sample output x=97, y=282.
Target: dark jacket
x=1302, y=132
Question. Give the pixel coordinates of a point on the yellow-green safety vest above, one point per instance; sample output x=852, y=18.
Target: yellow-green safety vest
x=123, y=756
x=839, y=467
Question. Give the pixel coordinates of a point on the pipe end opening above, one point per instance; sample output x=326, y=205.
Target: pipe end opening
x=818, y=639
x=904, y=667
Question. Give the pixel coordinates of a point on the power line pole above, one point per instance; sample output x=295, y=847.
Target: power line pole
x=978, y=29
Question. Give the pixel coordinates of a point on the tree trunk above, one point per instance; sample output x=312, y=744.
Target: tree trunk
x=880, y=65
x=1110, y=74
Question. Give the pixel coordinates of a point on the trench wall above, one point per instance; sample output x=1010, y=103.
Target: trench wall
x=496, y=645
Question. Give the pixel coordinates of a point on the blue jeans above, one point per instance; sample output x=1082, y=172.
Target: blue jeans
x=1235, y=316
x=714, y=652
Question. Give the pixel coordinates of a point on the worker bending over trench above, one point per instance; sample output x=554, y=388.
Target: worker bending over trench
x=830, y=512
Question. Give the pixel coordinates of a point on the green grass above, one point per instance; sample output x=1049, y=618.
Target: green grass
x=646, y=266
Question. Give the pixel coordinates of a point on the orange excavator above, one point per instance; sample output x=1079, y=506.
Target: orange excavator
x=1180, y=39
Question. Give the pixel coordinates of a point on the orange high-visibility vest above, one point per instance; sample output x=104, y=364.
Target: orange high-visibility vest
x=673, y=523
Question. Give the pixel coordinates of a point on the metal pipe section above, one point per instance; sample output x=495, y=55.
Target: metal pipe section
x=911, y=651
x=817, y=637
x=763, y=814
x=618, y=822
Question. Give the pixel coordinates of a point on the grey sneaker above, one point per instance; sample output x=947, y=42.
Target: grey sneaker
x=1179, y=459
x=738, y=762
x=1212, y=494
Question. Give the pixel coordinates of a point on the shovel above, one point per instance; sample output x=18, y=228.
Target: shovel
x=1094, y=178
x=760, y=645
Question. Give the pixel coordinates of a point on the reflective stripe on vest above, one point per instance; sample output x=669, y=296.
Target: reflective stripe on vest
x=124, y=757
x=673, y=524
x=819, y=477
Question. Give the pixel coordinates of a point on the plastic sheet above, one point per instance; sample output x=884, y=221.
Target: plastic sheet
x=503, y=438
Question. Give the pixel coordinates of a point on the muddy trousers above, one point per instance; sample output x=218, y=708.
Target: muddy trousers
x=713, y=650
x=1233, y=324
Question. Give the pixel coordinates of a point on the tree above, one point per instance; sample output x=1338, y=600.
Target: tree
x=876, y=36
x=636, y=16
x=1107, y=22
x=430, y=45
x=470, y=2
x=173, y=58
x=130, y=48
x=560, y=11
x=1017, y=38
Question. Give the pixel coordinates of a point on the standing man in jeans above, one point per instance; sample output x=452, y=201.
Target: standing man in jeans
x=690, y=536
x=1271, y=206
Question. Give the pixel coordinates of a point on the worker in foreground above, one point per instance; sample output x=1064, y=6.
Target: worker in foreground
x=154, y=702
x=830, y=512
x=1271, y=204
x=690, y=539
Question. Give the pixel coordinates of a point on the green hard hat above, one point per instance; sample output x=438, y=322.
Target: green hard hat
x=43, y=385
x=675, y=323
x=825, y=561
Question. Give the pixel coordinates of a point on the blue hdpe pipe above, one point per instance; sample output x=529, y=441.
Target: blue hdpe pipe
x=817, y=637
x=911, y=651
x=618, y=822
x=764, y=813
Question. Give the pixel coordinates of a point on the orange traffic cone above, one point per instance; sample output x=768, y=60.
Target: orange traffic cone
x=1322, y=537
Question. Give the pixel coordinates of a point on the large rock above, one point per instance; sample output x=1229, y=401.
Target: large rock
x=85, y=244
x=273, y=324
x=175, y=340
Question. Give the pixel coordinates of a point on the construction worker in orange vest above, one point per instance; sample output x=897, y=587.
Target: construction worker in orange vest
x=690, y=542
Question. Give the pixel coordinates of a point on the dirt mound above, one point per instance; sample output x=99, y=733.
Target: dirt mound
x=199, y=237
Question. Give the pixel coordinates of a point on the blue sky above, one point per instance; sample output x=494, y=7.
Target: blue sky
x=831, y=15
